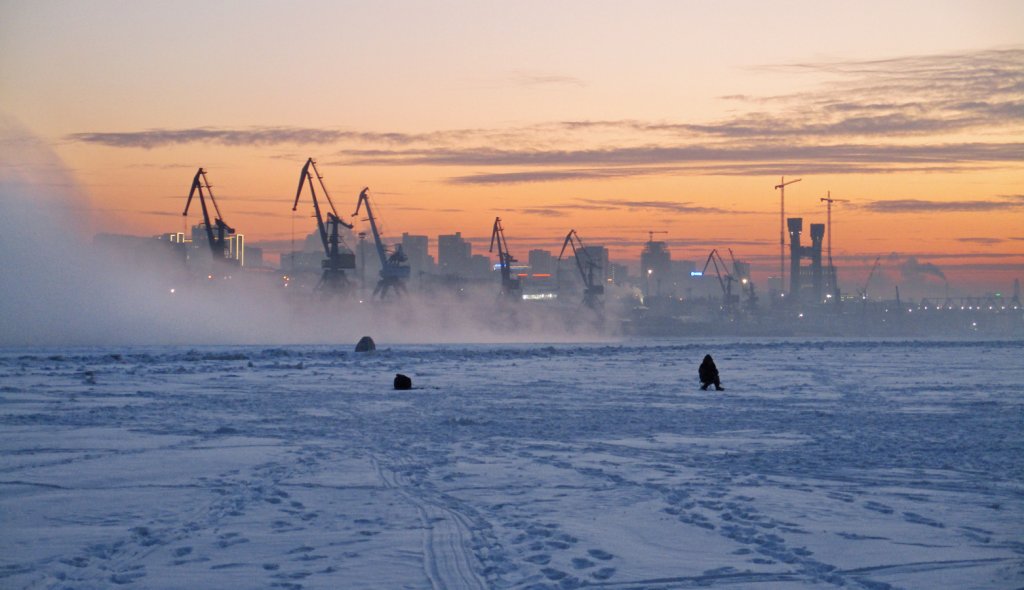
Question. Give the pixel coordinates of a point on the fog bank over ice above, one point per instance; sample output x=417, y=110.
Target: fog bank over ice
x=59, y=289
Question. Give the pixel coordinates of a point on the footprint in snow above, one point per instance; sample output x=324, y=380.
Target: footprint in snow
x=918, y=519
x=553, y=574
x=604, y=573
x=126, y=577
x=878, y=507
x=599, y=554
x=582, y=563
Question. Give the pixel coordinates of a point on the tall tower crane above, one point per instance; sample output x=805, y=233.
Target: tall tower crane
x=510, y=287
x=592, y=287
x=393, y=268
x=828, y=221
x=781, y=187
x=336, y=261
x=201, y=186
x=650, y=234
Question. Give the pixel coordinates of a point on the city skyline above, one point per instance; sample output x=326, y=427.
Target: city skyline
x=677, y=117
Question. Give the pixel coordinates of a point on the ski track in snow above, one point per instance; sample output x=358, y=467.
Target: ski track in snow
x=869, y=464
x=447, y=547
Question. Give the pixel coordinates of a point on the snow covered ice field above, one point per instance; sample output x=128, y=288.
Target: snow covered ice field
x=825, y=463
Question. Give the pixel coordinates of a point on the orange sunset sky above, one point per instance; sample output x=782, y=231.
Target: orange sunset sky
x=613, y=118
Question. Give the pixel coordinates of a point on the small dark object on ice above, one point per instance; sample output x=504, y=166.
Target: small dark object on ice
x=709, y=374
x=365, y=344
x=402, y=381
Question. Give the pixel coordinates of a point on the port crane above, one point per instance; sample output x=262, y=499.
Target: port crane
x=864, y=291
x=510, y=287
x=725, y=278
x=592, y=288
x=393, y=268
x=336, y=261
x=201, y=186
x=828, y=220
x=741, y=270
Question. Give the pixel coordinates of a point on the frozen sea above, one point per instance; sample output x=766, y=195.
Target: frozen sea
x=826, y=463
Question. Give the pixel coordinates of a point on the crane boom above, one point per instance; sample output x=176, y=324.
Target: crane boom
x=831, y=267
x=335, y=261
x=509, y=287
x=741, y=273
x=393, y=271
x=332, y=216
x=714, y=258
x=201, y=186
x=381, y=251
x=864, y=291
x=586, y=266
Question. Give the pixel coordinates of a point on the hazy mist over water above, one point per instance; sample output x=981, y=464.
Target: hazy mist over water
x=59, y=289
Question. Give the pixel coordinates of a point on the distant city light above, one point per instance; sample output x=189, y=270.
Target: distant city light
x=697, y=273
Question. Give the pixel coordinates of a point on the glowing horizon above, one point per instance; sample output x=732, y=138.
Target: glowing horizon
x=455, y=114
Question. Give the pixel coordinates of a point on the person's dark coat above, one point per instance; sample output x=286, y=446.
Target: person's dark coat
x=709, y=373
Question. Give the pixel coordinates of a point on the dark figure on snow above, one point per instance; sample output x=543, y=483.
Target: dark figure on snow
x=709, y=374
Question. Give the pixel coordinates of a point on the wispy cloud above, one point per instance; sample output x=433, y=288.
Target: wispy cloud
x=935, y=206
x=531, y=78
x=154, y=138
x=164, y=166
x=554, y=175
x=651, y=155
x=983, y=241
x=667, y=206
x=431, y=209
x=852, y=124
x=938, y=94
x=562, y=165
x=262, y=136
x=154, y=213
x=735, y=169
x=618, y=204
x=544, y=212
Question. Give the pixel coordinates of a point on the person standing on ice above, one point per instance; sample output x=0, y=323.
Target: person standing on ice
x=709, y=374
